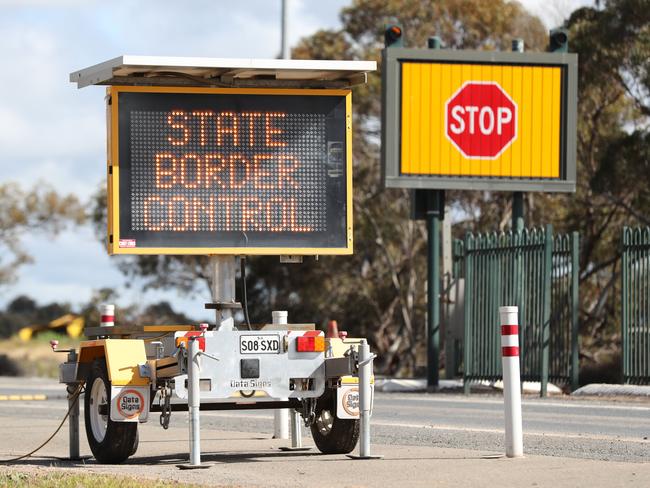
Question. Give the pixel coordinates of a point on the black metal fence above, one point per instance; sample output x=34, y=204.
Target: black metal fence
x=536, y=272
x=635, y=299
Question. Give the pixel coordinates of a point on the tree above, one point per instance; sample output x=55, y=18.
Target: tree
x=40, y=209
x=613, y=153
x=23, y=311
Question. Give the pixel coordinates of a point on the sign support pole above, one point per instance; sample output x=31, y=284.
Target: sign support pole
x=194, y=402
x=365, y=375
x=435, y=214
x=223, y=271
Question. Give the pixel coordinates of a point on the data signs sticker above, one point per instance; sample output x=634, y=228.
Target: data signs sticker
x=347, y=402
x=129, y=403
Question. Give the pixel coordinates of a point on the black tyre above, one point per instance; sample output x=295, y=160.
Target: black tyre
x=136, y=442
x=333, y=435
x=110, y=442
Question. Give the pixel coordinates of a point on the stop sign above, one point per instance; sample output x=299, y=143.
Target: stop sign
x=481, y=120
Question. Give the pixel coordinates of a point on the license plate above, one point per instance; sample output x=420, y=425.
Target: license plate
x=259, y=344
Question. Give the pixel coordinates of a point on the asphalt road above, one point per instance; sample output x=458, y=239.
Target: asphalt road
x=566, y=427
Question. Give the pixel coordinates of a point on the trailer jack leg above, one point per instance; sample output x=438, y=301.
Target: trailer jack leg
x=73, y=390
x=194, y=404
x=365, y=393
x=73, y=419
x=296, y=433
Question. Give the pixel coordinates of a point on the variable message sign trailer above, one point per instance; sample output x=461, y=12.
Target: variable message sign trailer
x=224, y=158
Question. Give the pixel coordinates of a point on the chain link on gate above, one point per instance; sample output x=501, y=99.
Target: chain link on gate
x=308, y=411
x=165, y=406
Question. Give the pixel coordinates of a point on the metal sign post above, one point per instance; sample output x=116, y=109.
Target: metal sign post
x=194, y=401
x=365, y=401
x=223, y=271
x=435, y=214
x=430, y=206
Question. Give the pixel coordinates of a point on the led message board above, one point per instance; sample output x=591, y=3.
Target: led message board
x=229, y=171
x=479, y=120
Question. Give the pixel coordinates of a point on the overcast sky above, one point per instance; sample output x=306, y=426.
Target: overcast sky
x=52, y=132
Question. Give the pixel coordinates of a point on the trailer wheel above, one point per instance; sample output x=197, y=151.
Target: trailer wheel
x=110, y=442
x=333, y=435
x=136, y=442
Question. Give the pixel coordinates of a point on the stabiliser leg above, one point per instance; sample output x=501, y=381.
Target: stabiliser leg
x=296, y=433
x=194, y=404
x=365, y=393
x=73, y=420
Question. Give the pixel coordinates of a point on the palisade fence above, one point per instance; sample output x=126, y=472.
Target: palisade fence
x=635, y=299
x=537, y=272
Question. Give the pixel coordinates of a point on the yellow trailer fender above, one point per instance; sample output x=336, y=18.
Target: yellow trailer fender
x=123, y=358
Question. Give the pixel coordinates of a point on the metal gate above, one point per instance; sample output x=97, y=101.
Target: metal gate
x=536, y=272
x=635, y=299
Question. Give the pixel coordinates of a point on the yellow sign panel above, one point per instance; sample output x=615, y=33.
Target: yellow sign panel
x=481, y=120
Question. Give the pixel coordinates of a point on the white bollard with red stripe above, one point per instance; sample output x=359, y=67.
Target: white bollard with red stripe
x=511, y=380
x=107, y=313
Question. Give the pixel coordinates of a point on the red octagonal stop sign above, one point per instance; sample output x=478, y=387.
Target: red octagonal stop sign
x=481, y=120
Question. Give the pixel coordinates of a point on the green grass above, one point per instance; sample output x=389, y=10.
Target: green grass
x=66, y=480
x=64, y=340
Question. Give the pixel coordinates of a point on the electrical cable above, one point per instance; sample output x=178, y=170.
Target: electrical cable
x=76, y=398
x=195, y=79
x=244, y=298
x=151, y=339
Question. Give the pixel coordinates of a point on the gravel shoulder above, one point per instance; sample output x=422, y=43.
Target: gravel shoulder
x=254, y=460
x=239, y=452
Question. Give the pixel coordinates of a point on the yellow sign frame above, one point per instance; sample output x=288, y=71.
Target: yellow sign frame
x=113, y=173
x=402, y=167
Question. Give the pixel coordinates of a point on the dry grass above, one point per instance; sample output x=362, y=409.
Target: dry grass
x=35, y=357
x=69, y=480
